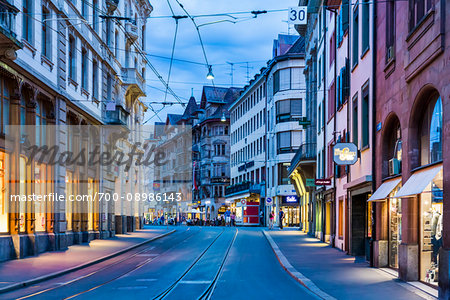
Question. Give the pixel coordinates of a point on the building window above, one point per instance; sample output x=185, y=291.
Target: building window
x=288, y=141
x=27, y=12
x=40, y=125
x=355, y=46
x=332, y=47
x=355, y=120
x=46, y=33
x=84, y=9
x=390, y=29
x=365, y=25
x=84, y=69
x=365, y=117
x=4, y=105
x=283, y=175
x=116, y=43
x=95, y=22
x=72, y=58
x=417, y=11
x=331, y=101
x=95, y=80
x=431, y=133
x=288, y=110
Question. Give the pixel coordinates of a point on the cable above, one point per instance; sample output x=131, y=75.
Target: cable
x=173, y=48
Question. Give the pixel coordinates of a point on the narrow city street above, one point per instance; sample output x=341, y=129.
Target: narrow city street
x=217, y=263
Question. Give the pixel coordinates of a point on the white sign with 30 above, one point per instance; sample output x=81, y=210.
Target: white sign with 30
x=297, y=15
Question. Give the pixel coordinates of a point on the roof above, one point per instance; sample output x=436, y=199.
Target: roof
x=283, y=43
x=298, y=46
x=213, y=94
x=190, y=110
x=173, y=119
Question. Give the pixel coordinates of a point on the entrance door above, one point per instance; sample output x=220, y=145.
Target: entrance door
x=357, y=247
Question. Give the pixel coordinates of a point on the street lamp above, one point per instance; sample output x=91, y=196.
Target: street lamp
x=224, y=118
x=210, y=75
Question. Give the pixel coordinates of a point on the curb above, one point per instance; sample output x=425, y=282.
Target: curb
x=78, y=267
x=299, y=277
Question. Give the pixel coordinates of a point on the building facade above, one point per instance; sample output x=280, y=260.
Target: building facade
x=286, y=93
x=61, y=66
x=246, y=192
x=412, y=126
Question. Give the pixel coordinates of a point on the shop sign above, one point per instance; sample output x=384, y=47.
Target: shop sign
x=310, y=182
x=243, y=201
x=290, y=199
x=345, y=153
x=325, y=181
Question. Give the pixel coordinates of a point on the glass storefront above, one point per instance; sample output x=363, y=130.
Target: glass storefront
x=395, y=227
x=291, y=216
x=431, y=204
x=4, y=192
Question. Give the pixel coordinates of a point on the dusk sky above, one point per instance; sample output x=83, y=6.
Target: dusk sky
x=248, y=40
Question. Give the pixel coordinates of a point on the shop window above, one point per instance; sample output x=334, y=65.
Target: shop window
x=431, y=133
x=69, y=193
x=22, y=192
x=431, y=224
x=369, y=219
x=4, y=191
x=395, y=227
x=341, y=219
x=41, y=190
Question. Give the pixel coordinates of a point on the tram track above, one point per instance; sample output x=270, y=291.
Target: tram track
x=207, y=293
x=147, y=248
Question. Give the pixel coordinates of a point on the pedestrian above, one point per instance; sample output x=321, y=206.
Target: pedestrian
x=281, y=217
x=233, y=219
x=162, y=220
x=261, y=218
x=228, y=218
x=271, y=216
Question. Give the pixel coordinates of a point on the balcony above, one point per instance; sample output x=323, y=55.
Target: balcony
x=117, y=117
x=8, y=42
x=131, y=77
x=306, y=154
x=112, y=5
x=239, y=188
x=132, y=31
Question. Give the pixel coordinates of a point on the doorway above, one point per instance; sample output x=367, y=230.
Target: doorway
x=358, y=221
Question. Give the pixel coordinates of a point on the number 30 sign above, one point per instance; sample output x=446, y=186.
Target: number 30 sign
x=297, y=15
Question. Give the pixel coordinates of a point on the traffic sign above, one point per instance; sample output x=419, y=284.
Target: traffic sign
x=297, y=15
x=268, y=201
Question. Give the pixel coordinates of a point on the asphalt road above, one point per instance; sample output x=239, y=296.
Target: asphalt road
x=213, y=262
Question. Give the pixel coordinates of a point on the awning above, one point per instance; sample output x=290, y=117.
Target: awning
x=418, y=181
x=385, y=189
x=237, y=197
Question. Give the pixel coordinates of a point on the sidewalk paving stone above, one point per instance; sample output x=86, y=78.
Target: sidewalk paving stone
x=338, y=274
x=17, y=271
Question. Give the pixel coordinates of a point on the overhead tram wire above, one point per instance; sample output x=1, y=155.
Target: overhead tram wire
x=176, y=18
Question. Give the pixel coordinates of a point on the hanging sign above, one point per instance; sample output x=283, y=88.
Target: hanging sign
x=345, y=153
x=297, y=15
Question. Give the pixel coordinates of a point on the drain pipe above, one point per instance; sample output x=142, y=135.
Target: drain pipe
x=374, y=130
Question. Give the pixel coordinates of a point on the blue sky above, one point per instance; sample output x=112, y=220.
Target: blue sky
x=245, y=41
